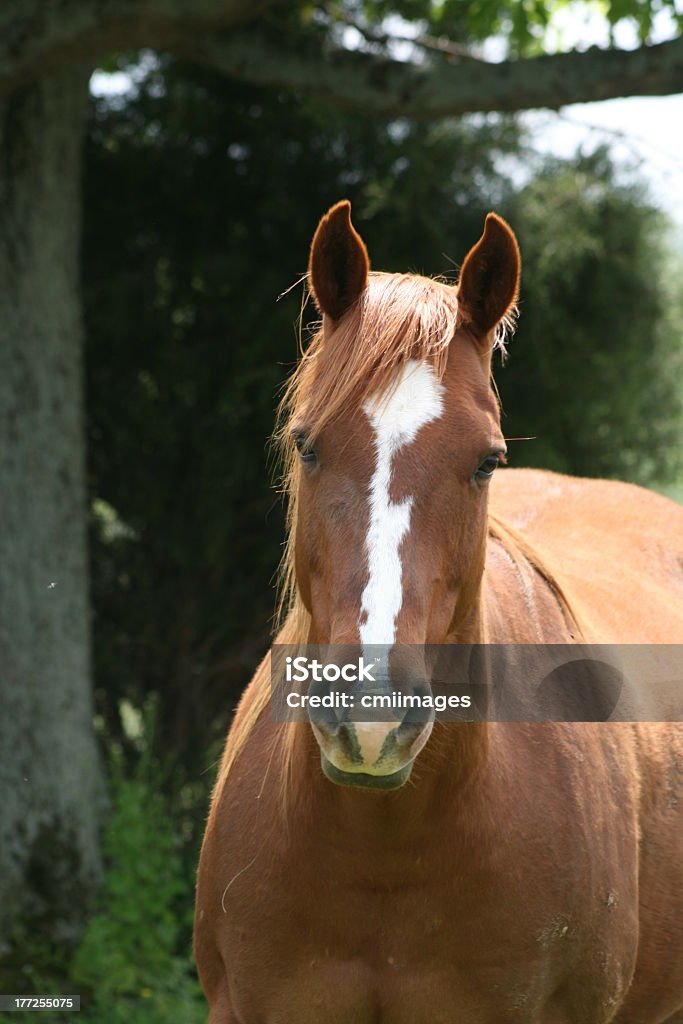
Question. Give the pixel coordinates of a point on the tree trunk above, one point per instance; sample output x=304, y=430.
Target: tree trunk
x=50, y=775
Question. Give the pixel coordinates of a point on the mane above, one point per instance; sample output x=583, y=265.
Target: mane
x=398, y=318
x=522, y=552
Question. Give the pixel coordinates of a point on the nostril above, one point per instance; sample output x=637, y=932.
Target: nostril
x=325, y=720
x=348, y=743
x=418, y=716
x=408, y=732
x=420, y=713
x=330, y=728
x=412, y=737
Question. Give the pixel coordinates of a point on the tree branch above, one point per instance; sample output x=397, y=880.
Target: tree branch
x=439, y=87
x=40, y=36
x=376, y=35
x=37, y=37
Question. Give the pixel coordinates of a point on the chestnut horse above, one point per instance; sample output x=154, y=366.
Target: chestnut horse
x=475, y=872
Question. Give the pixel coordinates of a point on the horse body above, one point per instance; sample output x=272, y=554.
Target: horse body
x=354, y=918
x=621, y=548
x=526, y=873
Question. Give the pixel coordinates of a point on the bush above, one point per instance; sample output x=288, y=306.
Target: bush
x=131, y=958
x=595, y=369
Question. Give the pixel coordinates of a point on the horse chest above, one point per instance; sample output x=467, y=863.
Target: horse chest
x=348, y=947
x=516, y=913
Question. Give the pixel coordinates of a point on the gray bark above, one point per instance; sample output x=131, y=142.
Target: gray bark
x=41, y=35
x=440, y=87
x=50, y=778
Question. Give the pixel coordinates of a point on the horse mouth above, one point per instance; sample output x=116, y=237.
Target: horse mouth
x=362, y=780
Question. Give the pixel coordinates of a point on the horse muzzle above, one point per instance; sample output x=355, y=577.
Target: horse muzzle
x=373, y=747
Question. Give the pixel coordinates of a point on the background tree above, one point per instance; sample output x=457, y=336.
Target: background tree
x=303, y=47
x=596, y=369
x=50, y=783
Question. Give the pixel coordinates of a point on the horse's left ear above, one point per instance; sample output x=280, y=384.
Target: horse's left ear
x=489, y=279
x=339, y=265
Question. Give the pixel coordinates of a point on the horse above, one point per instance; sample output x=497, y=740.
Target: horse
x=478, y=872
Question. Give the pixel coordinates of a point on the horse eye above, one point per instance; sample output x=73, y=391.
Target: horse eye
x=486, y=468
x=305, y=449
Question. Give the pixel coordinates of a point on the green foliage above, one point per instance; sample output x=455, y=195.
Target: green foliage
x=522, y=23
x=133, y=963
x=595, y=370
x=132, y=957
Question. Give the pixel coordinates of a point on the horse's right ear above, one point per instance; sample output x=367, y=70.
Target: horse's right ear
x=489, y=279
x=339, y=265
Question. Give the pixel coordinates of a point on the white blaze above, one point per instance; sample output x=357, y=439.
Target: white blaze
x=396, y=417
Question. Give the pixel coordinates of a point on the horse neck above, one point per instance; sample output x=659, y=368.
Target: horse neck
x=517, y=603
